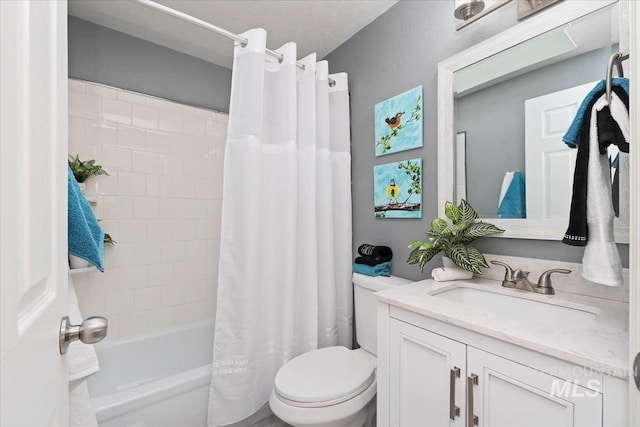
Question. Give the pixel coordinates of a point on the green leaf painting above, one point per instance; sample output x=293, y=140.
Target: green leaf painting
x=398, y=189
x=398, y=122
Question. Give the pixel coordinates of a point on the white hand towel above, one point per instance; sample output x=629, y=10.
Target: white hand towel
x=601, y=260
x=444, y=274
x=82, y=361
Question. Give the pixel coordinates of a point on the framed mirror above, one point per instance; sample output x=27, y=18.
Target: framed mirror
x=491, y=97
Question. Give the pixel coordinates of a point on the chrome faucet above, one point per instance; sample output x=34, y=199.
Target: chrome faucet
x=519, y=279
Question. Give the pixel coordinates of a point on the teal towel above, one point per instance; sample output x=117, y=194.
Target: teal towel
x=572, y=136
x=513, y=204
x=85, y=236
x=382, y=269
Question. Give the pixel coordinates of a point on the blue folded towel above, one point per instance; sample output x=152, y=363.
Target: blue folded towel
x=572, y=136
x=382, y=269
x=85, y=236
x=513, y=204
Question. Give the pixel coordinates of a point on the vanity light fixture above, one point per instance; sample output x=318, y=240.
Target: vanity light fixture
x=465, y=9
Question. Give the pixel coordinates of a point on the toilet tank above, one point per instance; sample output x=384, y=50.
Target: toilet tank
x=366, y=306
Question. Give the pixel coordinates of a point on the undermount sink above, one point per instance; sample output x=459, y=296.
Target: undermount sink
x=510, y=304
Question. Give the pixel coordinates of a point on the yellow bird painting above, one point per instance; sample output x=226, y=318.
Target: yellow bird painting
x=392, y=192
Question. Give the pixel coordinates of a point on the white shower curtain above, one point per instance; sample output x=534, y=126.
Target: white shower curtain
x=284, y=283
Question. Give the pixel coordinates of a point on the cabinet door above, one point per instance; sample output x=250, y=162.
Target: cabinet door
x=512, y=395
x=427, y=373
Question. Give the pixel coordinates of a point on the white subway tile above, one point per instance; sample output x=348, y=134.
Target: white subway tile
x=183, y=145
x=170, y=121
x=172, y=208
x=144, y=116
x=84, y=105
x=185, y=313
x=183, y=187
x=173, y=295
x=195, y=250
x=131, y=137
x=173, y=251
x=76, y=129
x=160, y=318
x=158, y=185
x=132, y=230
x=115, y=207
x=116, y=111
x=134, y=276
x=146, y=208
x=133, y=324
x=184, y=229
x=86, y=151
x=182, y=108
x=122, y=254
x=194, y=126
x=92, y=305
x=133, y=97
x=196, y=290
x=110, y=226
x=147, y=298
x=158, y=141
x=132, y=184
x=101, y=133
x=204, y=189
x=159, y=230
x=170, y=165
x=186, y=270
x=194, y=209
x=160, y=274
x=102, y=283
x=162, y=104
x=76, y=85
x=206, y=229
x=207, y=309
x=117, y=303
x=108, y=185
x=193, y=167
x=148, y=253
x=100, y=90
x=144, y=162
x=116, y=159
x=216, y=129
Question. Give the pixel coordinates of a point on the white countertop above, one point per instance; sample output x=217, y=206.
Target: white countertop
x=601, y=343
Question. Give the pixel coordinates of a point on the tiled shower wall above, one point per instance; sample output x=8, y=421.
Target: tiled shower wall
x=161, y=203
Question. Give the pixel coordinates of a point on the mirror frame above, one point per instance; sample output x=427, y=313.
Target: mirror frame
x=554, y=17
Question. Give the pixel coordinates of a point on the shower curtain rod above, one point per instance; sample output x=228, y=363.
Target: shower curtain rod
x=213, y=28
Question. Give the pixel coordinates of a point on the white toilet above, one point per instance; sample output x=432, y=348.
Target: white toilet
x=335, y=386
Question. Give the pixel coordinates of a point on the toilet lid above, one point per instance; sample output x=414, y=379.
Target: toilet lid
x=330, y=375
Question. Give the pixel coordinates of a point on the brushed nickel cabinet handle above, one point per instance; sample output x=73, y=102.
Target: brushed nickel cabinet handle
x=472, y=420
x=454, y=411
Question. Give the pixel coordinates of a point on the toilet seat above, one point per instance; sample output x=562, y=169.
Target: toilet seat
x=324, y=377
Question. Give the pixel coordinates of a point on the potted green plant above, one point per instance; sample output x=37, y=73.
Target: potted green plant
x=108, y=240
x=453, y=237
x=83, y=170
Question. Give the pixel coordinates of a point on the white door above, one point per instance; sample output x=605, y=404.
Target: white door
x=33, y=215
x=426, y=376
x=549, y=163
x=509, y=394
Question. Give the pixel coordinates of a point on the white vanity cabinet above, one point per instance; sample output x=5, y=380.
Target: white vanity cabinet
x=437, y=381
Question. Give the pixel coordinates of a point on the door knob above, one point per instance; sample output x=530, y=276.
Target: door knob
x=90, y=331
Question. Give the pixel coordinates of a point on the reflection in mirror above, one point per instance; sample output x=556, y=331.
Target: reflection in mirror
x=561, y=48
x=513, y=109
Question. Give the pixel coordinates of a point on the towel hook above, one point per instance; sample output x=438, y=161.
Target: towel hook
x=616, y=59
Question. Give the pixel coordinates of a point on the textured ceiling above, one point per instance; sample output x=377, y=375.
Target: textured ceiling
x=316, y=26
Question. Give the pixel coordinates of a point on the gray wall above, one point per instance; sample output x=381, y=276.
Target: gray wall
x=102, y=55
x=493, y=119
x=398, y=51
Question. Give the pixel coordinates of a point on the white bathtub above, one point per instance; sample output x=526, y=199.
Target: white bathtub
x=155, y=381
